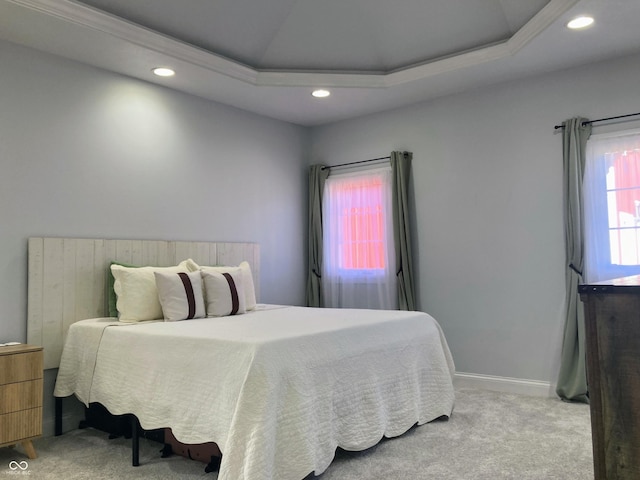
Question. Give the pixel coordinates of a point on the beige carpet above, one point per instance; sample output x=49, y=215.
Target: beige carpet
x=490, y=436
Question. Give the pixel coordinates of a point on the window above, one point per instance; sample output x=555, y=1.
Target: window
x=612, y=206
x=358, y=240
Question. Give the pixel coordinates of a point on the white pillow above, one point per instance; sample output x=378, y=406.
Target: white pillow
x=180, y=295
x=247, y=280
x=191, y=265
x=137, y=293
x=224, y=293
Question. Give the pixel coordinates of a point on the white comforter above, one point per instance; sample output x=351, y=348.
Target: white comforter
x=278, y=389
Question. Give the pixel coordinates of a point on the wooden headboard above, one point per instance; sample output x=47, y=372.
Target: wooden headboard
x=68, y=278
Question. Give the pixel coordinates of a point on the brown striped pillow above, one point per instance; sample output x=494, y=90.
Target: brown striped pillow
x=180, y=295
x=247, y=278
x=224, y=293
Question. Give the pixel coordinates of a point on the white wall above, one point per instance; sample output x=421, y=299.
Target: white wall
x=91, y=154
x=87, y=153
x=487, y=173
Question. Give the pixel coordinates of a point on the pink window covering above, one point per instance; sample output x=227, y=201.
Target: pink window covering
x=362, y=224
x=627, y=174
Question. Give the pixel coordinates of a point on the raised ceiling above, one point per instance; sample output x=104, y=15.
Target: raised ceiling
x=330, y=35
x=265, y=56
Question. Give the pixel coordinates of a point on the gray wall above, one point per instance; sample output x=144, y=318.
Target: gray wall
x=87, y=153
x=487, y=175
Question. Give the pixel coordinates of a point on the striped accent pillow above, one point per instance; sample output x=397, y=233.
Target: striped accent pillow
x=180, y=295
x=247, y=279
x=224, y=293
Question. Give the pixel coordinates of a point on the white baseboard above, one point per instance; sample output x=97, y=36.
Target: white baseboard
x=520, y=386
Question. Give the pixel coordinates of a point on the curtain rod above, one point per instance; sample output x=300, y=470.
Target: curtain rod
x=355, y=163
x=602, y=120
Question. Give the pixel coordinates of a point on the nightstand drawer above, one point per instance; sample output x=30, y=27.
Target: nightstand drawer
x=18, y=426
x=20, y=396
x=20, y=367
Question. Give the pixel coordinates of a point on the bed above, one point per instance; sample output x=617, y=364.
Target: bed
x=277, y=388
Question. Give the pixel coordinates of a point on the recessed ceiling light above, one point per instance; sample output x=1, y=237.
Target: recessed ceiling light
x=164, y=72
x=580, y=22
x=321, y=93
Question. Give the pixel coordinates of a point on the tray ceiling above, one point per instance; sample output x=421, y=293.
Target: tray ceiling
x=266, y=56
x=330, y=35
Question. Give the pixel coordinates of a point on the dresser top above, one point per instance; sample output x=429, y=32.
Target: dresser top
x=616, y=285
x=21, y=348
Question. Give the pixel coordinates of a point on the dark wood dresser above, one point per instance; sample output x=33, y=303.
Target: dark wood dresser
x=612, y=324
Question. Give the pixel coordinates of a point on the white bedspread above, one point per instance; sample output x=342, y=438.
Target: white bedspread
x=78, y=360
x=277, y=389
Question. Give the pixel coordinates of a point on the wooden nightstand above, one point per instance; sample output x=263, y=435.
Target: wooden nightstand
x=20, y=396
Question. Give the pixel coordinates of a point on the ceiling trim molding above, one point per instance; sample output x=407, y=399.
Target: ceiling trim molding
x=534, y=27
x=94, y=19
x=321, y=79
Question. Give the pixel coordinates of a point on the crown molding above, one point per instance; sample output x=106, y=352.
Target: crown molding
x=83, y=15
x=534, y=27
x=97, y=20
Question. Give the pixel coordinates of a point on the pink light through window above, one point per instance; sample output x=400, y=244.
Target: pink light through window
x=362, y=245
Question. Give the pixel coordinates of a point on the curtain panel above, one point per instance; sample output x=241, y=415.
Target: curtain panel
x=401, y=170
x=572, y=378
x=317, y=176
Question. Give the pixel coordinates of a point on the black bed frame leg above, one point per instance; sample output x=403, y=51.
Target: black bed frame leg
x=135, y=441
x=58, y=419
x=167, y=451
x=213, y=465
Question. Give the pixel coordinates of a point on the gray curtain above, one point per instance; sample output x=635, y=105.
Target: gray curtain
x=317, y=176
x=572, y=379
x=401, y=169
